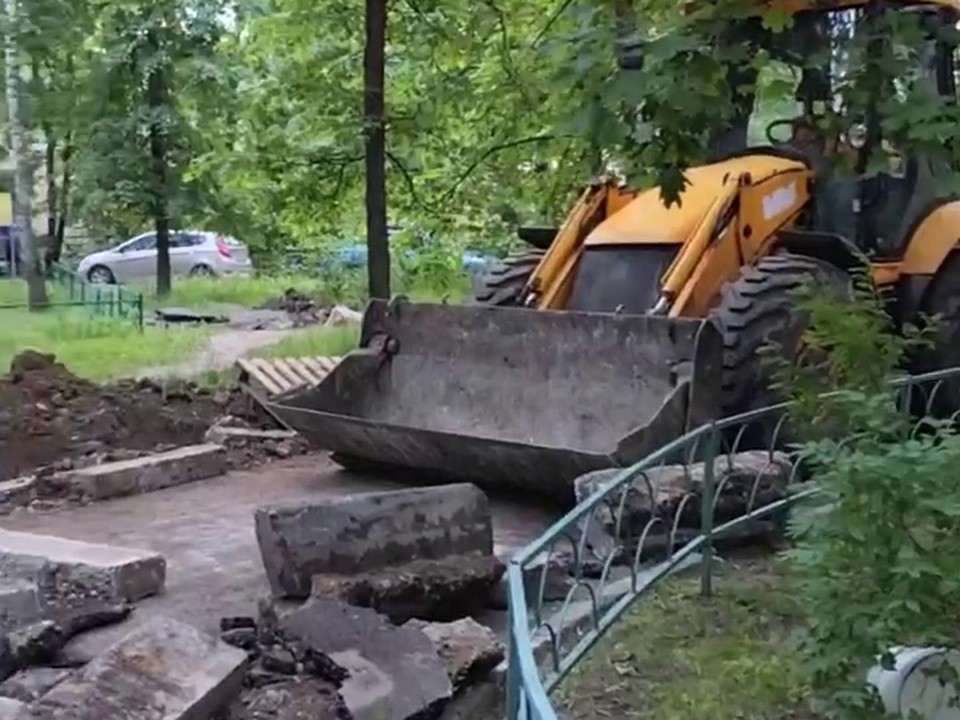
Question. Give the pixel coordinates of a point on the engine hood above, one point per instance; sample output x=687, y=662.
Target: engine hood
x=645, y=220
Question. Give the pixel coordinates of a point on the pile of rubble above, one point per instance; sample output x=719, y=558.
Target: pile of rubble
x=403, y=648
x=301, y=309
x=55, y=425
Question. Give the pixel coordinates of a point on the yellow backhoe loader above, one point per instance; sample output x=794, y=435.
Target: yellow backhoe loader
x=634, y=321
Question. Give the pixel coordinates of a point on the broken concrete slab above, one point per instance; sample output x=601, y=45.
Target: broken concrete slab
x=164, y=670
x=41, y=642
x=743, y=480
x=469, y=649
x=149, y=473
x=74, y=576
x=231, y=436
x=444, y=589
x=30, y=683
x=36, y=643
x=20, y=604
x=394, y=672
x=341, y=315
x=11, y=709
x=360, y=533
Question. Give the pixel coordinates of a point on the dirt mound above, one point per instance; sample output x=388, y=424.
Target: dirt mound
x=48, y=414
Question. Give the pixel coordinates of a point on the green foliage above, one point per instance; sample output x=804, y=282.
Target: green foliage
x=876, y=559
x=472, y=140
x=850, y=344
x=498, y=110
x=655, y=127
x=873, y=556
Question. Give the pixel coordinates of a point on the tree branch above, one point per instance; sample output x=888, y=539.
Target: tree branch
x=493, y=150
x=550, y=21
x=408, y=179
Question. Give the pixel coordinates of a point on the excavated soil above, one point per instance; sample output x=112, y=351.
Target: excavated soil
x=50, y=416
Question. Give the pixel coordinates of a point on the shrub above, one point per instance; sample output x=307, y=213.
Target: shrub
x=875, y=556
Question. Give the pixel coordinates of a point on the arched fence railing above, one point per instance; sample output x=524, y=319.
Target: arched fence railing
x=730, y=481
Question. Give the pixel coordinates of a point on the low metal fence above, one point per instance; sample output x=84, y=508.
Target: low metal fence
x=726, y=481
x=112, y=301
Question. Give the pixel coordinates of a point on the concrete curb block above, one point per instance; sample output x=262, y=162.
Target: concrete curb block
x=71, y=573
x=149, y=473
x=361, y=533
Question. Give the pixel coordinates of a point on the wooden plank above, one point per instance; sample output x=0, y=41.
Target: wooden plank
x=301, y=367
x=266, y=369
x=329, y=363
x=321, y=366
x=282, y=368
x=257, y=377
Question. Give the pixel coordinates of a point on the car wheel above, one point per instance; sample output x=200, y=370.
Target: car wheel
x=101, y=275
x=201, y=271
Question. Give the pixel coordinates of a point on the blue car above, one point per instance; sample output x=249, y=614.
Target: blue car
x=354, y=256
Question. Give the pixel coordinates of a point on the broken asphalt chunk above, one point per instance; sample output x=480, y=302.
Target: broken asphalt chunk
x=443, y=590
x=394, y=672
x=164, y=670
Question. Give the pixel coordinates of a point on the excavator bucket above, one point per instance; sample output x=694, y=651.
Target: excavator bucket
x=509, y=398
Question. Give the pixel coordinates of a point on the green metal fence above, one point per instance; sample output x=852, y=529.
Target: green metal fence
x=113, y=301
x=723, y=481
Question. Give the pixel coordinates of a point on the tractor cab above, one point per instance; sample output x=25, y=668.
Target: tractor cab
x=865, y=190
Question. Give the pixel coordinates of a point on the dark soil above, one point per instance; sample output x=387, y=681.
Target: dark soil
x=48, y=415
x=440, y=590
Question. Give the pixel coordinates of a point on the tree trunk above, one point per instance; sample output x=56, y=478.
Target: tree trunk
x=63, y=198
x=50, y=167
x=378, y=249
x=55, y=249
x=157, y=102
x=22, y=231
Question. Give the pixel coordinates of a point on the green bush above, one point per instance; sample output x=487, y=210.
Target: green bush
x=875, y=556
x=850, y=344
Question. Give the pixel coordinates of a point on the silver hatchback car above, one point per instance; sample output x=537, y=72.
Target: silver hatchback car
x=192, y=252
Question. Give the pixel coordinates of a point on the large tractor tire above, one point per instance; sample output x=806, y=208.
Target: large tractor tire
x=942, y=299
x=759, y=308
x=503, y=285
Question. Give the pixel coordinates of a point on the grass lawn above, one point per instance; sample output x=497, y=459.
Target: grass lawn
x=95, y=347
x=679, y=656
x=98, y=348
x=247, y=292
x=312, y=341
x=102, y=348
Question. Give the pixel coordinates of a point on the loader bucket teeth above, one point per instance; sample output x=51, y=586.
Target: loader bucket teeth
x=510, y=398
